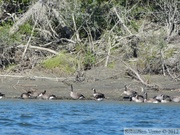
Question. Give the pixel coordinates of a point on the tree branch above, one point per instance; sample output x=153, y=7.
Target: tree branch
x=39, y=48
x=122, y=21
x=29, y=40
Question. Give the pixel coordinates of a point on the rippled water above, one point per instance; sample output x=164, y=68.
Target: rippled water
x=32, y=117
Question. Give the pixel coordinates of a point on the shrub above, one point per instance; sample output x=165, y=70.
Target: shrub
x=64, y=62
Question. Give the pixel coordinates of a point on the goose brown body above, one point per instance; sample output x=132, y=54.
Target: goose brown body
x=25, y=95
x=150, y=100
x=129, y=92
x=74, y=95
x=45, y=96
x=97, y=95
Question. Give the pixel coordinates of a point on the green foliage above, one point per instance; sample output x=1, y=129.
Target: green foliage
x=111, y=65
x=86, y=56
x=89, y=58
x=12, y=6
x=134, y=25
x=152, y=53
x=26, y=29
x=91, y=17
x=170, y=52
x=64, y=62
x=5, y=38
x=10, y=67
x=138, y=12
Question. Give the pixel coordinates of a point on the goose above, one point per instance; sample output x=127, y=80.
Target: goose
x=160, y=97
x=45, y=96
x=128, y=92
x=25, y=95
x=150, y=100
x=138, y=98
x=97, y=95
x=2, y=95
x=74, y=95
x=166, y=99
x=33, y=94
x=176, y=99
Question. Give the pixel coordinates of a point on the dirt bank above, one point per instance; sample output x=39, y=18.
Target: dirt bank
x=108, y=81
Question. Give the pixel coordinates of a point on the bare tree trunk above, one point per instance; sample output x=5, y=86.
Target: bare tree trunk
x=36, y=8
x=109, y=53
x=75, y=28
x=121, y=21
x=27, y=45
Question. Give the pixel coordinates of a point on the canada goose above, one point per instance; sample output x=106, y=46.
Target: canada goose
x=150, y=100
x=128, y=92
x=2, y=95
x=33, y=94
x=138, y=98
x=25, y=95
x=160, y=97
x=166, y=99
x=45, y=96
x=97, y=95
x=74, y=95
x=176, y=99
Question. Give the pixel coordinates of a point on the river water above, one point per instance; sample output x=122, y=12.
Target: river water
x=69, y=117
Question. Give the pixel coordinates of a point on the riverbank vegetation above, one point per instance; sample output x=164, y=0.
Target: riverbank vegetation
x=77, y=35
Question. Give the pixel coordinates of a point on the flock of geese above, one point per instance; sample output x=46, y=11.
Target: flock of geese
x=97, y=95
x=161, y=98
x=33, y=94
x=131, y=95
